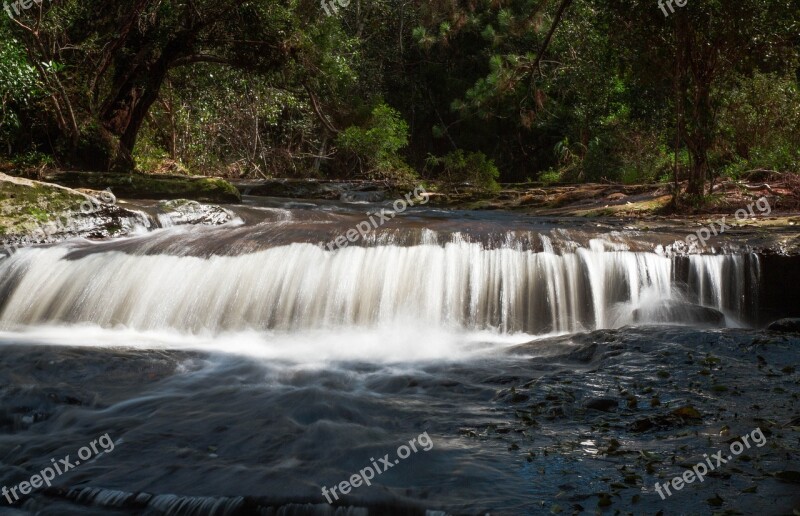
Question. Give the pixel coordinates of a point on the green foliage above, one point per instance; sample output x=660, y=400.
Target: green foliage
x=377, y=145
x=550, y=177
x=260, y=88
x=759, y=126
x=466, y=167
x=32, y=159
x=19, y=87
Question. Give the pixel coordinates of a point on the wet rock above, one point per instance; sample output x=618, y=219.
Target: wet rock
x=687, y=412
x=356, y=197
x=33, y=212
x=602, y=404
x=182, y=211
x=355, y=191
x=789, y=325
x=670, y=311
x=678, y=418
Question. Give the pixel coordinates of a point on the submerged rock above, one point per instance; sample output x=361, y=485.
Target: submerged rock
x=602, y=404
x=671, y=311
x=789, y=325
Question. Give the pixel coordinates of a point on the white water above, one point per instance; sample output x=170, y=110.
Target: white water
x=456, y=286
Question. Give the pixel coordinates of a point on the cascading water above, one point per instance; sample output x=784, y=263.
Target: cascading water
x=302, y=286
x=239, y=368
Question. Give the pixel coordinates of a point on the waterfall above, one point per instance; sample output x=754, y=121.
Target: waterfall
x=303, y=286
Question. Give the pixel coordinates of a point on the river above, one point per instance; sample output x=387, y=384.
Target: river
x=241, y=368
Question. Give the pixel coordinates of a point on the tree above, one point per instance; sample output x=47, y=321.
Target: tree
x=118, y=55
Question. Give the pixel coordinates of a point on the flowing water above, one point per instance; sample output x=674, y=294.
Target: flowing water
x=241, y=368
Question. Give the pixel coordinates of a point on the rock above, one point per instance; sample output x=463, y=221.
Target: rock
x=182, y=211
x=687, y=412
x=677, y=418
x=602, y=404
x=144, y=186
x=362, y=197
x=35, y=212
x=355, y=191
x=671, y=311
x=789, y=325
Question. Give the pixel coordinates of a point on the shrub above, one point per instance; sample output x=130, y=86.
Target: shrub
x=758, y=125
x=462, y=167
x=377, y=146
x=550, y=177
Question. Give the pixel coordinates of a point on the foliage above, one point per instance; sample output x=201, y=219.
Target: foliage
x=587, y=90
x=550, y=177
x=376, y=146
x=19, y=88
x=759, y=126
x=466, y=167
x=32, y=159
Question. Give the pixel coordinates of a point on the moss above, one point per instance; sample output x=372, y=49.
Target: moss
x=158, y=187
x=113, y=228
x=24, y=205
x=38, y=214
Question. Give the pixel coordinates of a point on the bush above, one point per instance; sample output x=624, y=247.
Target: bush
x=758, y=126
x=461, y=167
x=32, y=159
x=377, y=146
x=550, y=177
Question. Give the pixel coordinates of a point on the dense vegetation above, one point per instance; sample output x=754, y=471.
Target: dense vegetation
x=463, y=90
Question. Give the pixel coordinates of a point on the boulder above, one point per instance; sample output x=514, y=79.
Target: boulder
x=789, y=325
x=671, y=311
x=33, y=212
x=183, y=211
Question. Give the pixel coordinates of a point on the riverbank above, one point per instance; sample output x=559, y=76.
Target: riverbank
x=575, y=200
x=26, y=205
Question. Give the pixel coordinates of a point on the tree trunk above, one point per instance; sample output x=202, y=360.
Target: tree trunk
x=702, y=64
x=124, y=115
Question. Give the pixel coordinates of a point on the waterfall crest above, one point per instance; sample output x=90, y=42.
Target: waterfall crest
x=302, y=286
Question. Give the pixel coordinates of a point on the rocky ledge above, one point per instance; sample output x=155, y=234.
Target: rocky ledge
x=34, y=212
x=151, y=186
x=37, y=212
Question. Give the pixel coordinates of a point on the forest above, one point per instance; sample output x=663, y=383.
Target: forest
x=463, y=91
